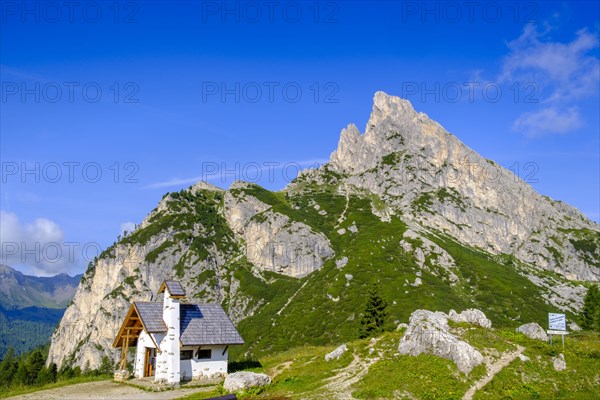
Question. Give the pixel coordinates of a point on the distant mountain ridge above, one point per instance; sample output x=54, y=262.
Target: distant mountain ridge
x=31, y=306
x=18, y=290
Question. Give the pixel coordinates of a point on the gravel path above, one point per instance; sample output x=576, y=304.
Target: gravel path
x=105, y=390
x=492, y=370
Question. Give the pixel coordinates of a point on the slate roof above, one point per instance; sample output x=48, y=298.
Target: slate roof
x=205, y=324
x=151, y=314
x=174, y=288
x=200, y=324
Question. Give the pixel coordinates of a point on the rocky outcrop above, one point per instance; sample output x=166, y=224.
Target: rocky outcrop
x=425, y=252
x=243, y=380
x=274, y=242
x=337, y=353
x=472, y=316
x=428, y=333
x=533, y=330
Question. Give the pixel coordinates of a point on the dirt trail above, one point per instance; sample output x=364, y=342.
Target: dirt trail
x=340, y=384
x=106, y=390
x=492, y=370
x=278, y=369
x=343, y=215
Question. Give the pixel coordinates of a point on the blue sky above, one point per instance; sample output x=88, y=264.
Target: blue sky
x=106, y=106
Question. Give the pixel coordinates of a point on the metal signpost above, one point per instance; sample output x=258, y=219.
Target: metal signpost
x=557, y=325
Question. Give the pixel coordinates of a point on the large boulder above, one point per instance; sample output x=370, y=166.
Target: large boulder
x=337, y=353
x=473, y=316
x=243, y=380
x=428, y=332
x=533, y=331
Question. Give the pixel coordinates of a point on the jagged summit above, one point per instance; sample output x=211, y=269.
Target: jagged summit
x=393, y=125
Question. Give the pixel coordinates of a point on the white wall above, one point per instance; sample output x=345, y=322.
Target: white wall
x=140, y=352
x=170, y=343
x=196, y=368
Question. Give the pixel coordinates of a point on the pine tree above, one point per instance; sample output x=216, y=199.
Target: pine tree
x=375, y=314
x=590, y=316
x=106, y=367
x=45, y=376
x=8, y=368
x=35, y=363
x=21, y=377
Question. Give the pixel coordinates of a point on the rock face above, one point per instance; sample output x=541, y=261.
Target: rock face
x=428, y=333
x=273, y=241
x=243, y=380
x=533, y=331
x=337, y=353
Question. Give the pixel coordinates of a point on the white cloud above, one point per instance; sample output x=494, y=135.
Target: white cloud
x=566, y=70
x=127, y=227
x=548, y=121
x=564, y=73
x=38, y=247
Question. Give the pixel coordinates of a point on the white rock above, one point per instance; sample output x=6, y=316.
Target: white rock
x=428, y=333
x=524, y=358
x=353, y=228
x=574, y=327
x=559, y=362
x=337, y=353
x=341, y=263
x=417, y=282
x=533, y=331
x=473, y=316
x=243, y=380
x=121, y=375
x=341, y=231
x=349, y=277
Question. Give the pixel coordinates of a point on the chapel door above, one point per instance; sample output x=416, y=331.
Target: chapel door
x=148, y=362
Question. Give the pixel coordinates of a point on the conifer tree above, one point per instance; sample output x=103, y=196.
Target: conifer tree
x=8, y=368
x=375, y=314
x=590, y=316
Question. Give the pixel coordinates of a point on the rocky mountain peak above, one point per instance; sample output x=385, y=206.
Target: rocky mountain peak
x=393, y=126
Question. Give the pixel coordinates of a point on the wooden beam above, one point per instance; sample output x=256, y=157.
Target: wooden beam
x=125, y=349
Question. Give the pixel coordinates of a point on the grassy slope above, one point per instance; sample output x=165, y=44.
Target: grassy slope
x=302, y=372
x=374, y=254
